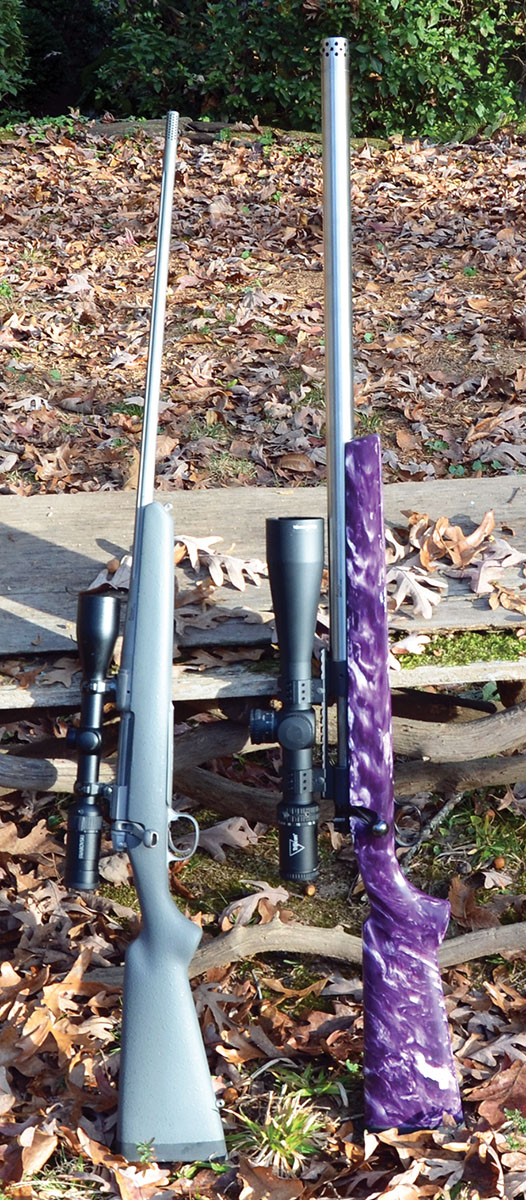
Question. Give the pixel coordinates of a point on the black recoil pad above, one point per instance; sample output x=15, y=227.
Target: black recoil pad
x=295, y=563
x=97, y=629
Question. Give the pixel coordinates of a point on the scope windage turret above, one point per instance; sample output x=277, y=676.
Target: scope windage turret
x=97, y=629
x=295, y=563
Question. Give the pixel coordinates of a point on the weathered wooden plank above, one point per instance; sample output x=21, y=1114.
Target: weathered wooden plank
x=53, y=546
x=463, y=676
x=221, y=683
x=256, y=679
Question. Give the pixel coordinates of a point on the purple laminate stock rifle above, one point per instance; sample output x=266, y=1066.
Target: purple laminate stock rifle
x=410, y=1079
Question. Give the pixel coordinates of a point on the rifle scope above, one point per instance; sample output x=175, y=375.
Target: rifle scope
x=97, y=629
x=295, y=564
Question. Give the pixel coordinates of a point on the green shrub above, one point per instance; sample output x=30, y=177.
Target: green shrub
x=148, y=66
x=428, y=67
x=434, y=67
x=12, y=49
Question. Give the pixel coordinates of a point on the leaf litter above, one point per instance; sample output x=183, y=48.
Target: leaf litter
x=60, y=1050
x=439, y=331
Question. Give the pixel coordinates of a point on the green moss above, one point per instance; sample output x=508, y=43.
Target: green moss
x=123, y=893
x=461, y=649
x=214, y=885
x=226, y=467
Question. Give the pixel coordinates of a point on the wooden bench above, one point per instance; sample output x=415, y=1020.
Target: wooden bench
x=53, y=546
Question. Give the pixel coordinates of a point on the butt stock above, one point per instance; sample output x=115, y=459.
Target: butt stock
x=409, y=1073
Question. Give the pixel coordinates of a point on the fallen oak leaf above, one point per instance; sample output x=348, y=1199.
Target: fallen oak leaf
x=414, y=643
x=440, y=539
x=116, y=574
x=415, y=586
x=236, y=568
x=37, y=1148
x=504, y=1091
x=260, y=1183
x=275, y=985
x=219, y=564
x=33, y=845
x=511, y=600
x=194, y=547
x=482, y=1168
x=515, y=1160
x=482, y=577
x=141, y=1182
x=462, y=547
x=394, y=549
x=464, y=907
x=495, y=560
x=114, y=868
x=134, y=1182
x=496, y=879
x=434, y=546
x=63, y=671
x=512, y=1046
x=235, y=831
x=189, y=614
x=209, y=996
x=237, y=1048
x=243, y=910
x=296, y=461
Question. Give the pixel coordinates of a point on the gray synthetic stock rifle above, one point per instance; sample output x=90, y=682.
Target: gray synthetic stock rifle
x=166, y=1095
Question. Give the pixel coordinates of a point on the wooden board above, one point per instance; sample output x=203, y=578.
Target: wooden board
x=53, y=546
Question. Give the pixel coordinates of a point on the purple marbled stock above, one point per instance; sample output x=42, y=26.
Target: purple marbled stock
x=410, y=1077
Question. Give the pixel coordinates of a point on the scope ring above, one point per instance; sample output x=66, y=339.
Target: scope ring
x=176, y=855
x=405, y=810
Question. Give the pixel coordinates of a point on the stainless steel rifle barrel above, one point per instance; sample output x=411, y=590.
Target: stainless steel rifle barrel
x=145, y=488
x=338, y=331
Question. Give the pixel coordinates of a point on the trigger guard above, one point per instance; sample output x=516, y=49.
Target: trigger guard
x=175, y=855
x=407, y=810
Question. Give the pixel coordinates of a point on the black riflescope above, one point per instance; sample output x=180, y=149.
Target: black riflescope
x=295, y=564
x=97, y=629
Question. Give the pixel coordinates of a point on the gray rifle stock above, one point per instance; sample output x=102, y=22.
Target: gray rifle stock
x=166, y=1097
x=165, y=1090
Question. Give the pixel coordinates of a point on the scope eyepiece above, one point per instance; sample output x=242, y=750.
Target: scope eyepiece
x=298, y=841
x=83, y=846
